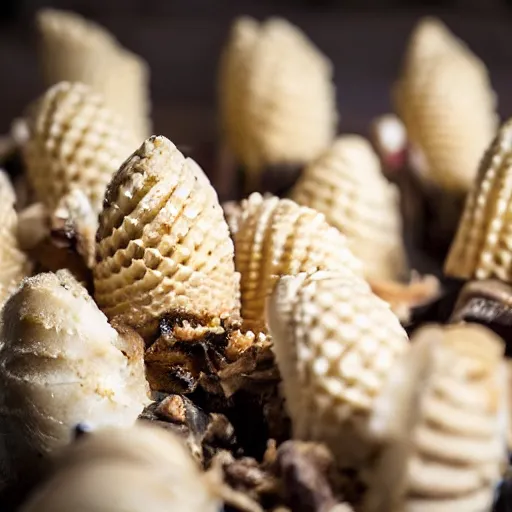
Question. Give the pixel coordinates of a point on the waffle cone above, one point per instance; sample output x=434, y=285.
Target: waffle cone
x=74, y=49
x=163, y=245
x=276, y=95
x=441, y=420
x=483, y=242
x=234, y=69
x=346, y=185
x=278, y=237
x=446, y=102
x=335, y=344
x=75, y=142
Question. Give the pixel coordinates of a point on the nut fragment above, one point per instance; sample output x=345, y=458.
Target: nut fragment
x=140, y=469
x=403, y=298
x=482, y=247
x=346, y=185
x=62, y=364
x=276, y=96
x=441, y=419
x=14, y=264
x=277, y=237
x=163, y=246
x=78, y=50
x=447, y=104
x=335, y=344
x=75, y=141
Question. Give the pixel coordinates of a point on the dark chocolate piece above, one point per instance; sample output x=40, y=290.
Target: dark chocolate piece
x=487, y=302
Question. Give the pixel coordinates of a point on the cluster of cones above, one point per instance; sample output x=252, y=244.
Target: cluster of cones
x=124, y=279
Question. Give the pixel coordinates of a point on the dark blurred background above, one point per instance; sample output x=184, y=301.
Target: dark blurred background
x=181, y=40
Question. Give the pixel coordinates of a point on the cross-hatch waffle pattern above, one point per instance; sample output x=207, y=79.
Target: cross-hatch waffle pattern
x=75, y=141
x=61, y=364
x=14, y=264
x=447, y=441
x=163, y=245
x=482, y=247
x=77, y=50
x=278, y=237
x=346, y=185
x=144, y=468
x=276, y=95
x=448, y=106
x=335, y=344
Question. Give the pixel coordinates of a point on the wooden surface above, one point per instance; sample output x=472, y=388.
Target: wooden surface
x=183, y=47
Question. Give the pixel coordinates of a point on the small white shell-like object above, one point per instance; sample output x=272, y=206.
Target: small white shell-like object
x=75, y=141
x=141, y=469
x=14, y=264
x=278, y=237
x=277, y=98
x=163, y=245
x=335, y=344
x=74, y=49
x=346, y=184
x=61, y=364
x=482, y=247
x=442, y=420
x=445, y=99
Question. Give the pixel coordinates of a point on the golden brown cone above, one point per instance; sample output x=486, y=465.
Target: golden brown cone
x=346, y=185
x=61, y=364
x=441, y=419
x=482, y=247
x=14, y=264
x=141, y=469
x=75, y=142
x=163, y=245
x=74, y=49
x=278, y=237
x=276, y=96
x=446, y=101
x=335, y=344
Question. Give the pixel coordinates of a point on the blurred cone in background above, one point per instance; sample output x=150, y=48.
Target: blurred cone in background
x=277, y=100
x=446, y=102
x=77, y=50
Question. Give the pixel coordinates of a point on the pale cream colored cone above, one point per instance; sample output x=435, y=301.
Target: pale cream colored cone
x=429, y=39
x=75, y=142
x=442, y=421
x=278, y=237
x=14, y=264
x=78, y=50
x=346, y=184
x=62, y=364
x=276, y=94
x=446, y=101
x=232, y=88
x=482, y=247
x=141, y=469
x=335, y=343
x=163, y=246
